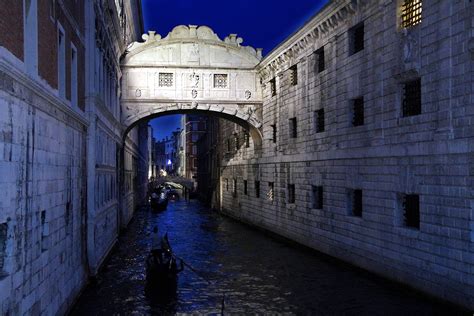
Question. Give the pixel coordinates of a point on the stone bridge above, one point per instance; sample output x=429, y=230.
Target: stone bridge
x=191, y=70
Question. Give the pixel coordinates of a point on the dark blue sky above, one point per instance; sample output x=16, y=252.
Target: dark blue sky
x=261, y=23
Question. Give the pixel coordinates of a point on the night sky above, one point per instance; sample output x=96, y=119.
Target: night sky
x=261, y=23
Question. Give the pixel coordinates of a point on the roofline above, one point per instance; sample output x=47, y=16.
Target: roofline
x=275, y=52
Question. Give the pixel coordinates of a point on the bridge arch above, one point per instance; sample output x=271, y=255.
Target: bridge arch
x=191, y=70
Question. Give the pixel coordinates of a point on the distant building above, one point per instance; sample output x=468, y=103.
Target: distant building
x=195, y=127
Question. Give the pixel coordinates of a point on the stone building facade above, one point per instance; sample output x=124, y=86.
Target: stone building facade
x=60, y=146
x=367, y=151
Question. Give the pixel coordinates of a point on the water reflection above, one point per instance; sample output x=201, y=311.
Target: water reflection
x=254, y=273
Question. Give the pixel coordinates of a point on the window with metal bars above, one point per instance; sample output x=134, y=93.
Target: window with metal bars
x=274, y=133
x=358, y=111
x=317, y=196
x=356, y=38
x=44, y=232
x=234, y=187
x=257, y=189
x=165, y=79
x=319, y=120
x=245, y=187
x=220, y=81
x=294, y=75
x=293, y=128
x=411, y=210
x=291, y=193
x=247, y=139
x=319, y=58
x=273, y=87
x=227, y=184
x=355, y=202
x=412, y=98
x=228, y=145
x=270, y=194
x=411, y=13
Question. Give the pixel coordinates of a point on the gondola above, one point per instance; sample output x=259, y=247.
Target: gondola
x=158, y=200
x=162, y=269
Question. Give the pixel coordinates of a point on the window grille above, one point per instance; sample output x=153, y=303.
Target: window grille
x=273, y=87
x=234, y=187
x=247, y=140
x=291, y=193
x=294, y=75
x=257, y=189
x=355, y=200
x=411, y=13
x=227, y=184
x=220, y=81
x=412, y=98
x=319, y=54
x=319, y=119
x=245, y=187
x=358, y=111
x=356, y=38
x=236, y=140
x=270, y=193
x=411, y=208
x=274, y=133
x=3, y=244
x=293, y=128
x=165, y=79
x=317, y=199
x=228, y=145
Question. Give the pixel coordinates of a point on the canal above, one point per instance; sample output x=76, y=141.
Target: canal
x=254, y=272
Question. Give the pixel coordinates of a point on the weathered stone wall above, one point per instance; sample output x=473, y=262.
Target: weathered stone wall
x=42, y=148
x=430, y=154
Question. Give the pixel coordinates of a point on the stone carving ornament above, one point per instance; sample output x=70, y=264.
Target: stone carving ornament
x=194, y=80
x=248, y=94
x=194, y=93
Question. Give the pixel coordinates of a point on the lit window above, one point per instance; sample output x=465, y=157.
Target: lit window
x=220, y=81
x=411, y=12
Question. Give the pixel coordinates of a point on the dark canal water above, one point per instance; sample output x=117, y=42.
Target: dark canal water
x=255, y=272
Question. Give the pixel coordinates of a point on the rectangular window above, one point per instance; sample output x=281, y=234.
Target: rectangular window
x=356, y=38
x=245, y=187
x=294, y=75
x=44, y=232
x=270, y=194
x=61, y=64
x=291, y=193
x=411, y=210
x=236, y=141
x=273, y=87
x=165, y=79
x=220, y=81
x=257, y=189
x=228, y=145
x=194, y=150
x=412, y=98
x=293, y=128
x=227, y=184
x=411, y=13
x=319, y=120
x=52, y=10
x=319, y=59
x=247, y=139
x=317, y=197
x=234, y=187
x=355, y=202
x=358, y=111
x=274, y=133
x=73, y=76
x=3, y=244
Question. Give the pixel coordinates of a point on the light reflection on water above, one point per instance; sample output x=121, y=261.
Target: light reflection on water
x=254, y=272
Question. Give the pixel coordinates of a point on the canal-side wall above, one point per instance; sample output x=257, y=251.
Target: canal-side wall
x=42, y=209
x=388, y=157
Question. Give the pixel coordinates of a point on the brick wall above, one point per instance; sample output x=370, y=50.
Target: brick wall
x=11, y=27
